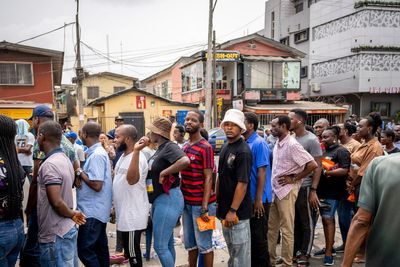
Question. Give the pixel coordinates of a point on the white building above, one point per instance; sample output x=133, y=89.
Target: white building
x=352, y=47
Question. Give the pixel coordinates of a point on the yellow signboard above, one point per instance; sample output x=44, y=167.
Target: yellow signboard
x=17, y=113
x=225, y=56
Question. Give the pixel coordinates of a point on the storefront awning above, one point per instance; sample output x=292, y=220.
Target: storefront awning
x=266, y=58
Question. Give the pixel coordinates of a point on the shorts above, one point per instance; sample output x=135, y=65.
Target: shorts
x=330, y=214
x=193, y=238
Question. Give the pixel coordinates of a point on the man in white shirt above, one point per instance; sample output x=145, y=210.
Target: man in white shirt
x=24, y=141
x=131, y=203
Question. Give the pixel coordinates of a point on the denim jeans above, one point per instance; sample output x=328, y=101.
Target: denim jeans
x=28, y=172
x=11, y=241
x=62, y=252
x=238, y=240
x=194, y=239
x=30, y=256
x=93, y=243
x=345, y=214
x=166, y=211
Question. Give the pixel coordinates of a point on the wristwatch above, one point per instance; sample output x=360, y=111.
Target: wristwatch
x=78, y=172
x=232, y=210
x=203, y=210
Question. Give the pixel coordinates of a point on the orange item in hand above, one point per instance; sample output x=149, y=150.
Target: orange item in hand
x=352, y=197
x=327, y=164
x=204, y=226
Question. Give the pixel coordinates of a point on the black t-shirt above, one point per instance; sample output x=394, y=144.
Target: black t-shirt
x=166, y=155
x=334, y=187
x=234, y=166
x=5, y=212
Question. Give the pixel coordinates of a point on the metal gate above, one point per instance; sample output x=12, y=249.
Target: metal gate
x=136, y=119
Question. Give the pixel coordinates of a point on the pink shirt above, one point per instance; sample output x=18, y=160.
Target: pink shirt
x=289, y=158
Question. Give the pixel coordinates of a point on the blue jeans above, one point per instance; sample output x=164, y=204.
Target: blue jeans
x=11, y=241
x=345, y=214
x=238, y=240
x=62, y=252
x=93, y=243
x=194, y=239
x=330, y=214
x=30, y=256
x=166, y=211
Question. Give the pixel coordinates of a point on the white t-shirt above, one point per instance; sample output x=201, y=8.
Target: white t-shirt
x=22, y=141
x=79, y=152
x=130, y=201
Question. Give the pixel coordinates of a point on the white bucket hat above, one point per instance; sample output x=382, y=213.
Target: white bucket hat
x=235, y=116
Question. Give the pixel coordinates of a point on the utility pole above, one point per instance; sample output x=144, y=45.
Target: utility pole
x=208, y=90
x=214, y=91
x=79, y=70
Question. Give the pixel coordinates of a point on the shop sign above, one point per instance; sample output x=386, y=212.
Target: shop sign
x=387, y=90
x=225, y=56
x=252, y=95
x=17, y=113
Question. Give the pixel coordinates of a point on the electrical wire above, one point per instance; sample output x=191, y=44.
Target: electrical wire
x=40, y=35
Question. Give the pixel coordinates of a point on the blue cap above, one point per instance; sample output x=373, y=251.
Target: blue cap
x=42, y=111
x=72, y=135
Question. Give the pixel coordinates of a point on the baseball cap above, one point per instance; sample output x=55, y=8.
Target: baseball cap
x=119, y=118
x=71, y=134
x=42, y=111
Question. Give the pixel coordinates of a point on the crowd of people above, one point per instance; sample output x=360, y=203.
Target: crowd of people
x=267, y=187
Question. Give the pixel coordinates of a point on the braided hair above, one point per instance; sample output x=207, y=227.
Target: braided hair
x=13, y=167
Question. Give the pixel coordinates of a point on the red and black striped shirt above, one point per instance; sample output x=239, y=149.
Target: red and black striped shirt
x=201, y=157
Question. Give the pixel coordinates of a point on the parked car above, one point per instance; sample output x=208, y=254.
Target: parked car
x=217, y=138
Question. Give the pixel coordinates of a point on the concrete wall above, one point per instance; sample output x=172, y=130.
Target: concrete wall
x=42, y=89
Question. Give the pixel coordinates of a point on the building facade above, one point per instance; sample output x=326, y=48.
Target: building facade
x=353, y=53
x=28, y=76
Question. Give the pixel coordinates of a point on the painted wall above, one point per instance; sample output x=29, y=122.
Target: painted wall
x=42, y=89
x=127, y=103
x=105, y=83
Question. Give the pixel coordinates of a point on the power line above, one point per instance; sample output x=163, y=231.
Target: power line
x=40, y=35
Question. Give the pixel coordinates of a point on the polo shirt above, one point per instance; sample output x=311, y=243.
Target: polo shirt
x=201, y=156
x=98, y=168
x=260, y=157
x=379, y=195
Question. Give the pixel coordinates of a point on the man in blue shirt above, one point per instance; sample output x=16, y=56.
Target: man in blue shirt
x=94, y=199
x=260, y=190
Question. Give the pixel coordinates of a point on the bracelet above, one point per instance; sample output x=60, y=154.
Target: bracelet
x=313, y=189
x=232, y=210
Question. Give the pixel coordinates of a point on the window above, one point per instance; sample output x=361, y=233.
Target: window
x=92, y=92
x=118, y=89
x=298, y=7
x=301, y=36
x=285, y=41
x=304, y=72
x=382, y=107
x=165, y=90
x=16, y=73
x=272, y=25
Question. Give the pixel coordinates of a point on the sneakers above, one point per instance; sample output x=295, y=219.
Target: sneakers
x=339, y=249
x=322, y=252
x=328, y=261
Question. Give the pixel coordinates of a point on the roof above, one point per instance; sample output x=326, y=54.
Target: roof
x=155, y=75
x=107, y=73
x=284, y=108
x=57, y=57
x=134, y=89
x=262, y=39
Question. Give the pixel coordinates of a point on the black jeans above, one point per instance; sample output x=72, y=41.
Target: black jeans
x=304, y=223
x=30, y=255
x=259, y=241
x=93, y=244
x=131, y=243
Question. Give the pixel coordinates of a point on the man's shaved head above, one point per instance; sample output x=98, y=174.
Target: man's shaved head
x=129, y=130
x=51, y=130
x=91, y=129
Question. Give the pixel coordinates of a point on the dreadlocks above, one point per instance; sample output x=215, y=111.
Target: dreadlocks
x=14, y=170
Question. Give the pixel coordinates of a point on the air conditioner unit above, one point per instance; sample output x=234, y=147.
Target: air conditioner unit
x=315, y=87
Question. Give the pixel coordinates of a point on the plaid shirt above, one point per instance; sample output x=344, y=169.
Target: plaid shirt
x=289, y=158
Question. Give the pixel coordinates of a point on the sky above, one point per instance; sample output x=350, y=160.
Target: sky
x=145, y=35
